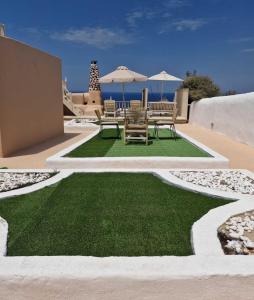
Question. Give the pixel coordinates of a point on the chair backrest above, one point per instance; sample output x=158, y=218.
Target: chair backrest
x=161, y=106
x=136, y=117
x=109, y=105
x=98, y=114
x=135, y=105
x=174, y=114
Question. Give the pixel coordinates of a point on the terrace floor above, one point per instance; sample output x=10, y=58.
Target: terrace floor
x=241, y=156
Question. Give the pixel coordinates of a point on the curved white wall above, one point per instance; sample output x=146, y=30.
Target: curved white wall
x=230, y=115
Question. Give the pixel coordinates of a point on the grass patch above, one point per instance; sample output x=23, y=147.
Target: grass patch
x=104, y=214
x=109, y=146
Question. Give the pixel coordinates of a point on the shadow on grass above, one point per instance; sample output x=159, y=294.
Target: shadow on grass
x=95, y=148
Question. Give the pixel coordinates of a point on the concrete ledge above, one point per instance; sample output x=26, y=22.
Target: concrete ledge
x=60, y=162
x=127, y=278
x=3, y=236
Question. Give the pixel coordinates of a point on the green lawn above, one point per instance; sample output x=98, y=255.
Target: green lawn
x=109, y=146
x=104, y=214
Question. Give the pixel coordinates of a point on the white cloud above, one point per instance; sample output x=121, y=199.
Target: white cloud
x=241, y=40
x=98, y=37
x=248, y=50
x=182, y=25
x=163, y=10
x=189, y=24
x=134, y=17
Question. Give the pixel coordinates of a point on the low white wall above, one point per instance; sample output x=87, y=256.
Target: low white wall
x=230, y=115
x=3, y=236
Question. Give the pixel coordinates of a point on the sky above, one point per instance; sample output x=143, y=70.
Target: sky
x=214, y=37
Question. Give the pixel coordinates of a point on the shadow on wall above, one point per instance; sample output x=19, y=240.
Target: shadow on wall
x=46, y=145
x=31, y=106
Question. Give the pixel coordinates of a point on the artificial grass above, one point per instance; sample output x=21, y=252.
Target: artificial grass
x=107, y=145
x=104, y=214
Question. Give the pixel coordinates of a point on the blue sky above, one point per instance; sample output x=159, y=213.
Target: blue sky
x=215, y=37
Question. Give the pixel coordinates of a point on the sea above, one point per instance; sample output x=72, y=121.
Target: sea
x=136, y=96
x=118, y=96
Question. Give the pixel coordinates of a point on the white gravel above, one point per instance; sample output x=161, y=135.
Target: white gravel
x=10, y=181
x=238, y=234
x=224, y=180
x=83, y=123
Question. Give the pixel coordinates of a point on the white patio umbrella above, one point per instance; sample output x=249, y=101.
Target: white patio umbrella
x=122, y=75
x=164, y=76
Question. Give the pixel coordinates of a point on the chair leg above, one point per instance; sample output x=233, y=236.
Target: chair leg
x=173, y=129
x=100, y=132
x=157, y=130
x=118, y=131
x=124, y=137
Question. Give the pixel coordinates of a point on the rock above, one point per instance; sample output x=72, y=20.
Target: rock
x=234, y=235
x=249, y=244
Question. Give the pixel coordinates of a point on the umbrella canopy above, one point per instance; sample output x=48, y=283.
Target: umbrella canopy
x=122, y=75
x=164, y=76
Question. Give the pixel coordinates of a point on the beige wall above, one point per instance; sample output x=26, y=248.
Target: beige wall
x=31, y=105
x=181, y=98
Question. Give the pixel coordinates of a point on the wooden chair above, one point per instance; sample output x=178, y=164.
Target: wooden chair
x=135, y=105
x=110, y=108
x=167, y=121
x=136, y=126
x=107, y=122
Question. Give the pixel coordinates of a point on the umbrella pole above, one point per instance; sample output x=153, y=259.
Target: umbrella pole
x=161, y=89
x=124, y=106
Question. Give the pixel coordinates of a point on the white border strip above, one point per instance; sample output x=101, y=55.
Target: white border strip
x=36, y=186
x=3, y=237
x=115, y=268
x=60, y=162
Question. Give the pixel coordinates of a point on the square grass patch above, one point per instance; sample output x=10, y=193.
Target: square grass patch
x=105, y=214
x=107, y=144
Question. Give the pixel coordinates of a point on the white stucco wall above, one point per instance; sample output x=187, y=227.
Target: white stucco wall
x=230, y=115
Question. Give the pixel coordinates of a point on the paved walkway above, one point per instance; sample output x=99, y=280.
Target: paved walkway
x=35, y=157
x=241, y=156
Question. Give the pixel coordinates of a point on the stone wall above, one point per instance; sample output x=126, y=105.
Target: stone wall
x=229, y=115
x=31, y=104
